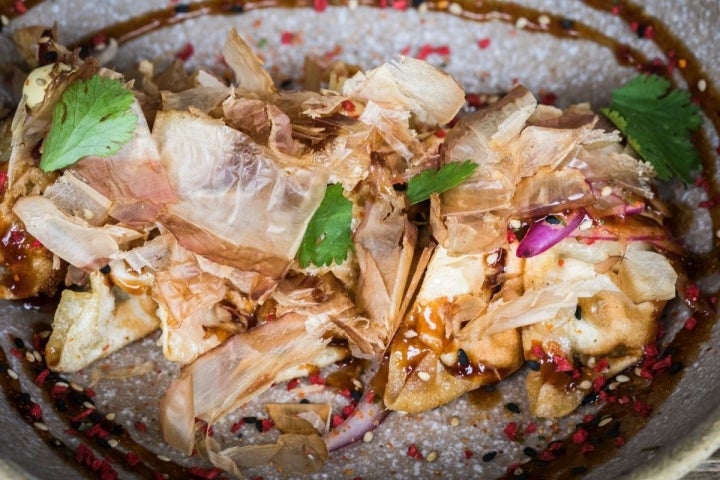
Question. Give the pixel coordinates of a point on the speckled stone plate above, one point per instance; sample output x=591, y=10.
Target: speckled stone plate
x=509, y=45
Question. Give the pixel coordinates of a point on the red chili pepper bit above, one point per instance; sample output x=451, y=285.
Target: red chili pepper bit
x=602, y=365
x=207, y=473
x=598, y=384
x=317, y=379
x=546, y=456
x=20, y=7
x=3, y=181
x=580, y=436
x=662, y=364
x=511, y=430
x=320, y=5
x=107, y=472
x=40, y=379
x=186, y=52
x=266, y=424
x=424, y=52
x=619, y=441
x=132, y=459
x=401, y=5
x=484, y=43
x=99, y=39
x=35, y=412
x=336, y=421
x=587, y=448
x=641, y=408
x=562, y=364
x=286, y=38
x=347, y=411
x=140, y=427
x=468, y=454
x=293, y=383
x=413, y=452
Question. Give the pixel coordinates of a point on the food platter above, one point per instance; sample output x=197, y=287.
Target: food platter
x=532, y=45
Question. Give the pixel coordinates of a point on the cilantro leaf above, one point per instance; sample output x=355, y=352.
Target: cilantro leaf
x=92, y=117
x=328, y=234
x=657, y=122
x=421, y=186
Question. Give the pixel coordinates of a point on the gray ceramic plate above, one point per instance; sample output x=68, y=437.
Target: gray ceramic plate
x=485, y=57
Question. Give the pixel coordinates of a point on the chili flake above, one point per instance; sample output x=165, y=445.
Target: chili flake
x=413, y=452
x=484, y=43
x=511, y=430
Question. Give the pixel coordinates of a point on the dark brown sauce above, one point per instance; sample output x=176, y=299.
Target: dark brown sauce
x=687, y=343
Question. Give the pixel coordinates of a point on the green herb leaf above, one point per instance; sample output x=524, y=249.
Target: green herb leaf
x=93, y=117
x=657, y=122
x=421, y=186
x=328, y=234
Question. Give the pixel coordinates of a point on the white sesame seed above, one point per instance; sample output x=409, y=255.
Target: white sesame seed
x=521, y=23
x=44, y=334
x=357, y=383
x=76, y=387
x=61, y=384
x=423, y=8
x=424, y=376
x=30, y=357
x=4, y=20
x=702, y=84
x=368, y=437
x=492, y=258
x=717, y=233
x=110, y=416
x=37, y=356
x=11, y=373
x=448, y=358
x=432, y=456
x=586, y=224
x=113, y=443
x=604, y=421
x=40, y=426
x=410, y=334
x=613, y=385
x=163, y=458
x=44, y=39
x=586, y=385
x=622, y=378
x=606, y=191
x=88, y=405
x=455, y=9
x=591, y=362
x=515, y=224
x=638, y=371
x=544, y=20
x=353, y=4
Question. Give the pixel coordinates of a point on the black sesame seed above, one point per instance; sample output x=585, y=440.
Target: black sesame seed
x=578, y=312
x=182, y=8
x=530, y=452
x=675, y=367
x=356, y=395
x=640, y=32
x=567, y=24
x=250, y=419
x=552, y=220
x=489, y=388
x=61, y=405
x=3, y=368
x=237, y=8
x=521, y=476
x=614, y=430
x=103, y=443
x=117, y=429
x=105, y=270
x=23, y=398
x=489, y=457
x=80, y=397
x=19, y=342
x=513, y=407
x=594, y=440
x=259, y=426
x=589, y=398
x=287, y=84
x=533, y=365
x=417, y=3
x=96, y=416
x=304, y=401
x=462, y=357
x=579, y=470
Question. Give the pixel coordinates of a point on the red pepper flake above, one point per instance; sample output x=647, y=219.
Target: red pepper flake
x=649, y=32
x=598, y=384
x=237, y=426
x=3, y=182
x=692, y=291
x=293, y=383
x=484, y=43
x=690, y=323
x=266, y=424
x=562, y=364
x=413, y=452
x=587, y=448
x=35, y=411
x=548, y=98
x=159, y=476
x=619, y=441
x=140, y=427
x=468, y=454
x=400, y=5
x=40, y=379
x=662, y=364
x=58, y=391
x=440, y=133
x=405, y=51
x=345, y=393
x=588, y=418
x=546, y=456
x=99, y=39
x=347, y=410
x=602, y=365
x=185, y=52
x=89, y=392
x=317, y=379
x=17, y=353
x=511, y=430
x=287, y=38
x=336, y=421
x=20, y=7
x=82, y=415
x=511, y=237
x=132, y=459
x=207, y=473
x=370, y=396
x=320, y=5
x=641, y=408
x=442, y=50
x=348, y=106
x=531, y=428
x=615, y=10
x=107, y=472
x=580, y=436
x=96, y=431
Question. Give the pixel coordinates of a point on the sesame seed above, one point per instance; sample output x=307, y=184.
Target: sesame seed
x=613, y=385
x=368, y=437
x=606, y=191
x=4, y=20
x=61, y=384
x=717, y=233
x=586, y=385
x=38, y=357
x=622, y=378
x=40, y=426
x=455, y=9
x=76, y=387
x=455, y=421
x=113, y=443
x=410, y=334
x=492, y=258
x=448, y=358
x=11, y=373
x=163, y=458
x=88, y=405
x=586, y=224
x=591, y=362
x=30, y=357
x=544, y=20
x=702, y=84
x=515, y=224
x=424, y=376
x=513, y=407
x=44, y=334
x=432, y=456
x=521, y=23
x=604, y=421
x=489, y=457
x=353, y=4
x=110, y=416
x=638, y=372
